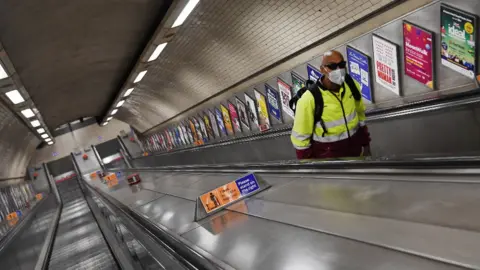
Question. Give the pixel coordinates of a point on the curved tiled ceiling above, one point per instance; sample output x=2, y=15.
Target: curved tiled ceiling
x=73, y=56
x=225, y=41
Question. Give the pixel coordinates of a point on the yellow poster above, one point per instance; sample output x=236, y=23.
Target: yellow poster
x=263, y=120
x=226, y=120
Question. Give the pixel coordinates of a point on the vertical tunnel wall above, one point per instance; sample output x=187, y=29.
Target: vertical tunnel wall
x=17, y=144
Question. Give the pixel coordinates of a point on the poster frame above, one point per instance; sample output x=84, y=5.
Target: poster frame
x=315, y=69
x=434, y=51
x=245, y=125
x=370, y=71
x=279, y=103
x=211, y=113
x=239, y=129
x=258, y=111
x=256, y=123
x=297, y=76
x=224, y=109
x=475, y=22
x=280, y=80
x=400, y=78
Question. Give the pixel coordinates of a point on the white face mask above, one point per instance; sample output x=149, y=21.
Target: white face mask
x=337, y=76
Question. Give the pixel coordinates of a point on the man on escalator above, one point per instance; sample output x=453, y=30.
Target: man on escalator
x=330, y=115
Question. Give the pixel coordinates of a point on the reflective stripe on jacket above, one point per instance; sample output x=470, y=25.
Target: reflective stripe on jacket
x=342, y=115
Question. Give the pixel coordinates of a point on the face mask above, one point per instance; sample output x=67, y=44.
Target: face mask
x=337, y=76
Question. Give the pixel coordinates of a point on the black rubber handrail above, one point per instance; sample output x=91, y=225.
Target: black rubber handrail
x=453, y=165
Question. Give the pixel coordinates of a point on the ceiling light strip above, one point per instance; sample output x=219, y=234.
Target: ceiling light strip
x=189, y=7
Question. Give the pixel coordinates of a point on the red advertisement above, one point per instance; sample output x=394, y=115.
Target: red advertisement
x=234, y=117
x=418, y=54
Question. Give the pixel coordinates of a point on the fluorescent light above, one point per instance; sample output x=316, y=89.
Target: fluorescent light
x=35, y=123
x=185, y=12
x=129, y=91
x=140, y=76
x=40, y=130
x=109, y=118
x=28, y=113
x=120, y=103
x=114, y=112
x=157, y=52
x=3, y=73
x=50, y=143
x=44, y=136
x=48, y=140
x=15, y=97
x=105, y=123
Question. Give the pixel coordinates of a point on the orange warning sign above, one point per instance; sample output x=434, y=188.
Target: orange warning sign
x=112, y=182
x=12, y=216
x=220, y=196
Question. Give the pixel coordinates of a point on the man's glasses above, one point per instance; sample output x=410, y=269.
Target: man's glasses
x=334, y=66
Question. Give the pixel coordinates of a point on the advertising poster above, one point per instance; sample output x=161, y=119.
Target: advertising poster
x=263, y=120
x=221, y=124
x=203, y=128
x=189, y=133
x=313, y=73
x=198, y=129
x=273, y=104
x=214, y=123
x=183, y=135
x=297, y=83
x=226, y=120
x=252, y=110
x=208, y=125
x=385, y=54
x=418, y=54
x=169, y=140
x=459, y=40
x=234, y=117
x=242, y=113
x=285, y=96
x=196, y=139
x=359, y=68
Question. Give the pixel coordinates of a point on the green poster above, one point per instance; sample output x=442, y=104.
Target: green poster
x=297, y=83
x=458, y=31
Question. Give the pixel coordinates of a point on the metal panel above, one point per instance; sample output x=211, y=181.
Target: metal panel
x=60, y=166
x=174, y=213
x=108, y=148
x=270, y=245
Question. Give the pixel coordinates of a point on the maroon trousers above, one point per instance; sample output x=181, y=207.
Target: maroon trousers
x=351, y=147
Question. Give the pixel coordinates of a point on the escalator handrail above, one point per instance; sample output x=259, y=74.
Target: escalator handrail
x=182, y=250
x=47, y=248
x=454, y=165
x=21, y=226
x=423, y=106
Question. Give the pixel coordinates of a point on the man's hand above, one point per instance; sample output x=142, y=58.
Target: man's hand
x=366, y=151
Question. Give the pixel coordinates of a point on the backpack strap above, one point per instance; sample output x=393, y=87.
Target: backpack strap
x=353, y=87
x=317, y=116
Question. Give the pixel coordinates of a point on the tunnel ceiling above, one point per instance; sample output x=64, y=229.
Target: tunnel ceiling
x=225, y=41
x=73, y=56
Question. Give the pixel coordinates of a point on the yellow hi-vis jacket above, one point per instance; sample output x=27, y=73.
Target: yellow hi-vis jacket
x=342, y=115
